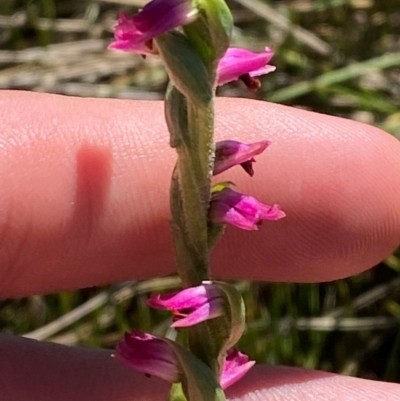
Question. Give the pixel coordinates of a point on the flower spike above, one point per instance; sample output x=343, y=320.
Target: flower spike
x=135, y=33
x=244, y=65
x=230, y=153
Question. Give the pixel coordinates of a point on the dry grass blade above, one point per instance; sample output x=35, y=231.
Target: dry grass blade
x=118, y=293
x=346, y=324
x=302, y=35
x=58, y=25
x=368, y=298
x=136, y=3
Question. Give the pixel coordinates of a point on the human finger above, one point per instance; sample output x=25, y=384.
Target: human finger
x=50, y=372
x=84, y=193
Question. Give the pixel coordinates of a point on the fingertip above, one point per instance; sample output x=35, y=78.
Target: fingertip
x=286, y=383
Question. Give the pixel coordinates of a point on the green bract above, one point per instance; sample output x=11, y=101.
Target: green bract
x=210, y=33
x=185, y=67
x=198, y=381
x=224, y=331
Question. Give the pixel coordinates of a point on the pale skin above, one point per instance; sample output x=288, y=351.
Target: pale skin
x=84, y=201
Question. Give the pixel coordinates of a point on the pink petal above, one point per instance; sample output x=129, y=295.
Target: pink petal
x=191, y=297
x=191, y=305
x=148, y=354
x=230, y=153
x=235, y=367
x=237, y=62
x=243, y=211
x=273, y=212
x=208, y=311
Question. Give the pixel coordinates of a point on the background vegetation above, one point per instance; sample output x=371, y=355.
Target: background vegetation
x=338, y=57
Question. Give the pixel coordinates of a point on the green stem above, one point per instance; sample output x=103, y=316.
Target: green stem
x=194, y=167
x=190, y=196
x=189, y=109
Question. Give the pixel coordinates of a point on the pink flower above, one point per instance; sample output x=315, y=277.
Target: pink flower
x=135, y=33
x=243, y=211
x=191, y=305
x=230, y=153
x=235, y=367
x=245, y=65
x=149, y=354
x=156, y=356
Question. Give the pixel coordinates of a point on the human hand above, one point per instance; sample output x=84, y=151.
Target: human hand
x=84, y=201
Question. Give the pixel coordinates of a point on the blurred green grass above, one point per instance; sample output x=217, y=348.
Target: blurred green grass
x=333, y=56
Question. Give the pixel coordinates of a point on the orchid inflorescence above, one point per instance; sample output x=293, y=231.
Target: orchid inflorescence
x=192, y=38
